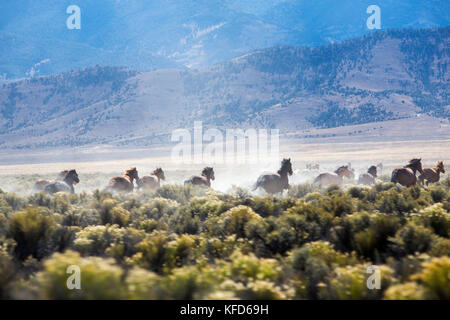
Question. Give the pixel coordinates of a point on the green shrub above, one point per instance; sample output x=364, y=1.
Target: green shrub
x=405, y=291
x=180, y=242
x=234, y=221
x=181, y=194
x=350, y=283
x=440, y=247
x=314, y=262
x=320, y=250
x=393, y=201
x=153, y=251
x=339, y=205
x=181, y=252
x=345, y=228
x=356, y=192
x=300, y=190
x=142, y=284
x=435, y=278
x=14, y=201
x=436, y=218
x=414, y=238
x=318, y=221
x=263, y=290
x=407, y=266
x=125, y=244
x=438, y=194
x=3, y=225
x=189, y=218
x=373, y=241
x=112, y=214
x=215, y=248
x=158, y=208
x=7, y=268
x=286, y=232
x=266, y=206
x=246, y=267
x=100, y=278
x=31, y=229
x=81, y=217
x=188, y=283
x=94, y=240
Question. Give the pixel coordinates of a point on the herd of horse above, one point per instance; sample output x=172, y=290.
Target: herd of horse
x=270, y=182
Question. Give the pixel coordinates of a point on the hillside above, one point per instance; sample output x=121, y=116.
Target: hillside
x=185, y=34
x=387, y=75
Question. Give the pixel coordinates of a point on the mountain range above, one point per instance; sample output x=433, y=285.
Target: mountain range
x=184, y=34
x=382, y=76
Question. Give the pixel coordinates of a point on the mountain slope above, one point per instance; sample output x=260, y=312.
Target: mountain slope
x=382, y=76
x=146, y=35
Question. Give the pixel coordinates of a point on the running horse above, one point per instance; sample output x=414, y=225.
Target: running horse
x=369, y=177
x=202, y=180
x=124, y=183
x=66, y=185
x=432, y=175
x=406, y=176
x=41, y=184
x=336, y=177
x=152, y=181
x=275, y=182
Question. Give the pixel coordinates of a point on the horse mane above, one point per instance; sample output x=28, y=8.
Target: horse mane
x=284, y=163
x=156, y=171
x=440, y=165
x=69, y=177
x=129, y=171
x=413, y=162
x=341, y=168
x=206, y=171
x=66, y=173
x=62, y=175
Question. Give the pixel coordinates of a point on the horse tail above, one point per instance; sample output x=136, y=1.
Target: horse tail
x=394, y=178
x=259, y=183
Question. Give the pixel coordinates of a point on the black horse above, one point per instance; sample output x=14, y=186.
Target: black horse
x=275, y=182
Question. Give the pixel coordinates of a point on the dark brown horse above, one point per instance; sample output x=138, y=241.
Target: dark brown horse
x=66, y=185
x=369, y=177
x=406, y=176
x=152, y=181
x=203, y=180
x=336, y=177
x=432, y=175
x=275, y=182
x=41, y=184
x=124, y=183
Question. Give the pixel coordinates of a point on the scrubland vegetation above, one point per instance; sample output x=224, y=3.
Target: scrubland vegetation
x=190, y=243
